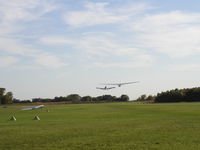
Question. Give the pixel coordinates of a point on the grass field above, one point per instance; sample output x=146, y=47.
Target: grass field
x=107, y=126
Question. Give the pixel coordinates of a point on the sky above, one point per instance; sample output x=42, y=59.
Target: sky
x=54, y=48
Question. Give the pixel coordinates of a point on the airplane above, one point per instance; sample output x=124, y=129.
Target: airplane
x=120, y=84
x=105, y=88
x=33, y=107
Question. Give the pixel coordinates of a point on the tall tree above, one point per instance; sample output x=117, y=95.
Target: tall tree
x=2, y=92
x=7, y=98
x=124, y=98
x=75, y=98
x=142, y=97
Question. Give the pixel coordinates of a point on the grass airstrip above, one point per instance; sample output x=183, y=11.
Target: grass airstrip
x=106, y=126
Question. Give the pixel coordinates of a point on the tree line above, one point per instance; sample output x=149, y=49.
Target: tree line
x=175, y=95
x=179, y=95
x=75, y=98
x=7, y=98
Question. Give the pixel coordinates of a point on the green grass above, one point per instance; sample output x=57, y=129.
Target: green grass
x=107, y=126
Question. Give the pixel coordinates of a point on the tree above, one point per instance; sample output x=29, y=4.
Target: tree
x=2, y=92
x=21, y=101
x=150, y=98
x=7, y=98
x=124, y=98
x=108, y=98
x=59, y=99
x=74, y=98
x=86, y=99
x=142, y=97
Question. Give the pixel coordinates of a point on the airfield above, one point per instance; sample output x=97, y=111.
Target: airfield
x=104, y=126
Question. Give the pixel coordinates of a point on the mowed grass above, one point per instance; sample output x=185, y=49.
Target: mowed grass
x=107, y=126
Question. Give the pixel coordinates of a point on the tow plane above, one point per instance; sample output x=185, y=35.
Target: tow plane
x=105, y=88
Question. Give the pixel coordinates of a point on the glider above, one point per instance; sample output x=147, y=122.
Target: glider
x=120, y=84
x=33, y=107
x=105, y=88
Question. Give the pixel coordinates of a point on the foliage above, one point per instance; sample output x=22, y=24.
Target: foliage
x=124, y=98
x=142, y=97
x=75, y=98
x=86, y=99
x=21, y=101
x=179, y=95
x=59, y=99
x=5, y=98
x=150, y=98
x=108, y=98
x=34, y=100
x=2, y=91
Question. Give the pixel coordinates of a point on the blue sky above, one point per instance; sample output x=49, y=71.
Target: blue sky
x=58, y=47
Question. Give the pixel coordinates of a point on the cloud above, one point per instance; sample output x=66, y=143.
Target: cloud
x=98, y=48
x=16, y=47
x=49, y=61
x=56, y=40
x=185, y=67
x=101, y=13
x=138, y=37
x=26, y=67
x=176, y=33
x=140, y=61
x=99, y=44
x=25, y=10
x=13, y=13
x=6, y=61
x=13, y=18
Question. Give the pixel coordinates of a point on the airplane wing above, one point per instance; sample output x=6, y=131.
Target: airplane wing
x=40, y=106
x=27, y=108
x=105, y=88
x=129, y=83
x=32, y=107
x=100, y=88
x=110, y=88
